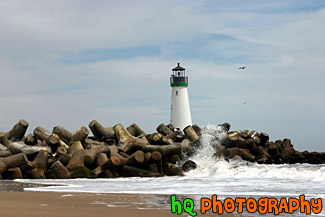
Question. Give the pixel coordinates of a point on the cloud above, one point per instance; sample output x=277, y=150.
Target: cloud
x=68, y=62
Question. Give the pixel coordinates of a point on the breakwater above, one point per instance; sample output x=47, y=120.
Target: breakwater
x=130, y=152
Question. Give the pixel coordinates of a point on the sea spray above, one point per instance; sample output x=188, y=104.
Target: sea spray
x=205, y=157
x=209, y=164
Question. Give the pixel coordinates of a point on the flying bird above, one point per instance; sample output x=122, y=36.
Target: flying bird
x=244, y=103
x=242, y=67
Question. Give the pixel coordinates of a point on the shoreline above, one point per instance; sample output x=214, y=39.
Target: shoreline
x=14, y=201
x=60, y=204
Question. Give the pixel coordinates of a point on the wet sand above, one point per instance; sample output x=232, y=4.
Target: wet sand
x=44, y=204
x=76, y=204
x=15, y=202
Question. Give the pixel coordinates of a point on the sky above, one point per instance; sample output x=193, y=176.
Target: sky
x=70, y=62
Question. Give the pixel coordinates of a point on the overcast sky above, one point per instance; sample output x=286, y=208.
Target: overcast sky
x=69, y=62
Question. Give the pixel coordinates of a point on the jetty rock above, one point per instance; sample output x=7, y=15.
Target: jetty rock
x=256, y=147
x=112, y=151
x=116, y=151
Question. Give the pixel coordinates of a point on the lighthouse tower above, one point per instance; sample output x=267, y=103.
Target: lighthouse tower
x=180, y=114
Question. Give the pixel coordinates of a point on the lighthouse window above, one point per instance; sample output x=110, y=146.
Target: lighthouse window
x=176, y=93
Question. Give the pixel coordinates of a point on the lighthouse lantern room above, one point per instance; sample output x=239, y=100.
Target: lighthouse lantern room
x=180, y=114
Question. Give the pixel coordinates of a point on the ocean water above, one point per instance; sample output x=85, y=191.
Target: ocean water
x=213, y=176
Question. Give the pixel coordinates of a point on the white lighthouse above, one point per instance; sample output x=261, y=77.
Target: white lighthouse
x=180, y=114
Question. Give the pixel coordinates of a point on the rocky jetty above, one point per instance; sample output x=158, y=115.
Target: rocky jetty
x=111, y=152
x=256, y=147
x=117, y=151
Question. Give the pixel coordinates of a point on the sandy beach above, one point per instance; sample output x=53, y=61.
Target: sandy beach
x=15, y=202
x=80, y=204
x=44, y=204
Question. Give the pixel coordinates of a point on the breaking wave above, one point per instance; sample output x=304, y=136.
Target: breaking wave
x=210, y=165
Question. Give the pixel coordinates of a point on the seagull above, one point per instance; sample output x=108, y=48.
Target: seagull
x=242, y=67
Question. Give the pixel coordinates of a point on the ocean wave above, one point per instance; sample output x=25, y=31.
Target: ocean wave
x=210, y=165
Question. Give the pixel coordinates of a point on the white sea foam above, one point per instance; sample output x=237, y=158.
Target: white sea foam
x=67, y=195
x=208, y=165
x=99, y=203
